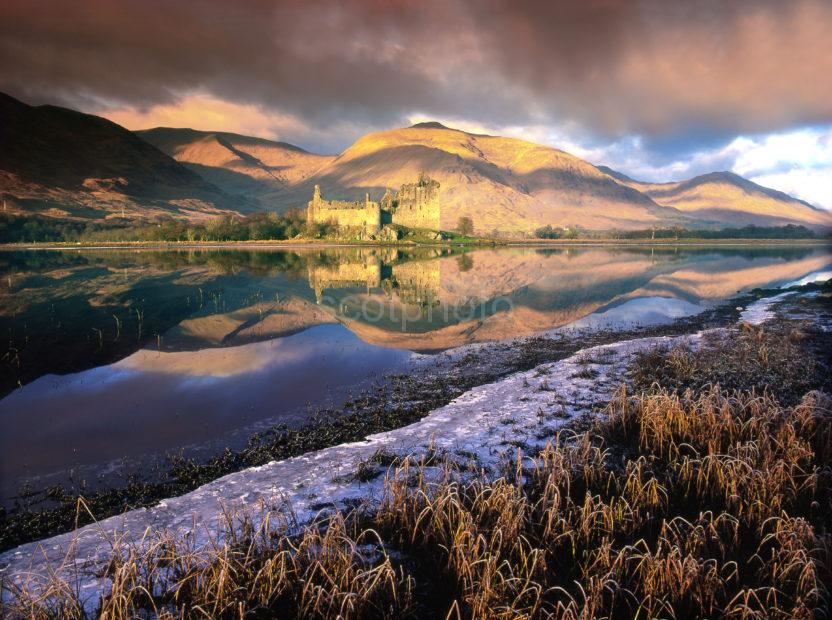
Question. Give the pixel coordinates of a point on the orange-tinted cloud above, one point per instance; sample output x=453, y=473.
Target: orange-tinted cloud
x=208, y=113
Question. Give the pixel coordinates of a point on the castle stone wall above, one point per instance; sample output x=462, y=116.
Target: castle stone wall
x=343, y=213
x=415, y=205
x=368, y=217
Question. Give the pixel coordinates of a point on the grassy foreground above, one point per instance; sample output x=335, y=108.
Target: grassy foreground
x=684, y=500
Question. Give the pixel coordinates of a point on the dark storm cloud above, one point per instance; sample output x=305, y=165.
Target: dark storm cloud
x=659, y=66
x=654, y=67
x=316, y=58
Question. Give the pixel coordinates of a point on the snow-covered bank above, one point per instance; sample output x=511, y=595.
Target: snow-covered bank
x=488, y=422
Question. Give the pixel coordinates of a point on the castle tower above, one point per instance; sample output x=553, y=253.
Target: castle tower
x=312, y=204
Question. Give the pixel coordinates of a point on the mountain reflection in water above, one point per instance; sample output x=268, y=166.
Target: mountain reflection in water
x=166, y=349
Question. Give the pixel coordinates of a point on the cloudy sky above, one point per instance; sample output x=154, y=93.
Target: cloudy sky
x=658, y=89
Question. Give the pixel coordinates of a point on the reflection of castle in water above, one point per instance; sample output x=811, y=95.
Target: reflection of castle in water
x=418, y=282
x=365, y=274
x=415, y=282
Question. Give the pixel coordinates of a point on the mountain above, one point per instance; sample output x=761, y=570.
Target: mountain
x=62, y=163
x=727, y=199
x=235, y=163
x=503, y=184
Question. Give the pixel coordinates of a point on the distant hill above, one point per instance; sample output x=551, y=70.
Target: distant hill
x=727, y=199
x=503, y=184
x=62, y=163
x=235, y=163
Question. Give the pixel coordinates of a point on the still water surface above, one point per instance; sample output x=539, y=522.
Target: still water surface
x=114, y=357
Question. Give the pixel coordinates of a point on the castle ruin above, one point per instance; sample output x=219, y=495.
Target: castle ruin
x=415, y=205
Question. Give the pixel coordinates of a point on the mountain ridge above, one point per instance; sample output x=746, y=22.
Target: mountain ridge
x=727, y=175
x=64, y=163
x=245, y=165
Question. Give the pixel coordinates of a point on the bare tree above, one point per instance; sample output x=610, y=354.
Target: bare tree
x=465, y=226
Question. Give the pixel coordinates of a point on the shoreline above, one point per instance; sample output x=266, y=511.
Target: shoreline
x=488, y=424
x=484, y=244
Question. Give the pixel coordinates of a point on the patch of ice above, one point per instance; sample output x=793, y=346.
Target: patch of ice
x=760, y=311
x=817, y=276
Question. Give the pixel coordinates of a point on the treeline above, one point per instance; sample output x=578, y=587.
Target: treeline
x=789, y=231
x=271, y=226
x=255, y=227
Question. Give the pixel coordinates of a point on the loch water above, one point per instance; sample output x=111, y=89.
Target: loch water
x=112, y=359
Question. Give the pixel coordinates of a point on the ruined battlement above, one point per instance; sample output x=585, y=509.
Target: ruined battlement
x=415, y=205
x=364, y=214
